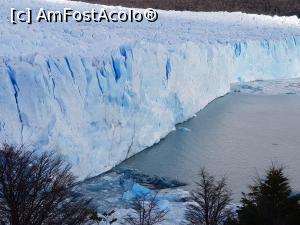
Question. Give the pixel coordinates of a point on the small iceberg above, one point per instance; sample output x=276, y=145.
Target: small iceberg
x=184, y=129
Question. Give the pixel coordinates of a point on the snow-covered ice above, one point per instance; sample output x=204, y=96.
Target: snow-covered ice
x=268, y=87
x=115, y=190
x=100, y=93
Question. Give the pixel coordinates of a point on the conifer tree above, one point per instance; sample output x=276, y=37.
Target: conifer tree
x=270, y=201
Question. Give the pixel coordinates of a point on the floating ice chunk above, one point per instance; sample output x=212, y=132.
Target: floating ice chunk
x=185, y=129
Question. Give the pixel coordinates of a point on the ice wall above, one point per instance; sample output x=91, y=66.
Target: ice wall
x=100, y=108
x=99, y=111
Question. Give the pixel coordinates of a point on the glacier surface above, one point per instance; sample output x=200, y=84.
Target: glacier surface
x=100, y=93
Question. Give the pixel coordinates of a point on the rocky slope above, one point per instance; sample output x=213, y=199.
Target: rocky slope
x=269, y=7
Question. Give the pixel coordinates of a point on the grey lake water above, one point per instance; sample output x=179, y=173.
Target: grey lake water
x=238, y=135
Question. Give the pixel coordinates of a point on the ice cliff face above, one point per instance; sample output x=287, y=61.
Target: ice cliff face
x=100, y=93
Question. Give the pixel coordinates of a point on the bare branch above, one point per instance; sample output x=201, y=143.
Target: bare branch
x=146, y=211
x=38, y=190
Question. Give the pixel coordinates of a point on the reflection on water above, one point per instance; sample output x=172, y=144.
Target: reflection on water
x=238, y=135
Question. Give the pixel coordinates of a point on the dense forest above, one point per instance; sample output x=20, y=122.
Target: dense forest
x=270, y=7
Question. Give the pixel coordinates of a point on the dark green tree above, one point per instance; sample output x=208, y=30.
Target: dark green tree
x=270, y=201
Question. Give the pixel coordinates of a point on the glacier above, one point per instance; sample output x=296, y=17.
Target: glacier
x=100, y=93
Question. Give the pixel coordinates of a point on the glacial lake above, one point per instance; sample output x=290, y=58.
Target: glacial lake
x=238, y=135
